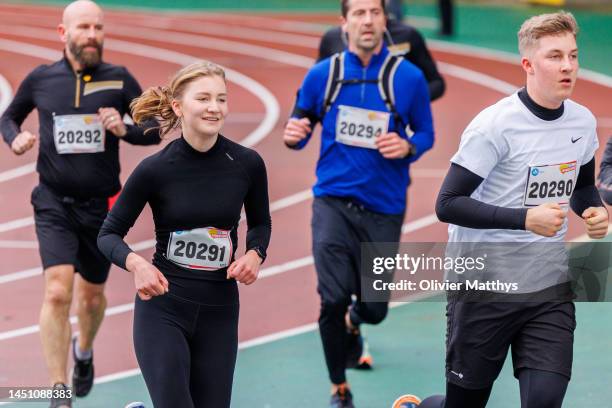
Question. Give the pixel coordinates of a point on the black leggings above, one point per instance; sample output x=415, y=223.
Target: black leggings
x=539, y=389
x=187, y=350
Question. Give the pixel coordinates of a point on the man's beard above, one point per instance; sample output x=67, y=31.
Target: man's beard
x=88, y=59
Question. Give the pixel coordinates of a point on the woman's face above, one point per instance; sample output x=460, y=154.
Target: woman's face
x=203, y=106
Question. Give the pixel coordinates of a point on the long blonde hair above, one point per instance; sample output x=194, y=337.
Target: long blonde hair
x=156, y=102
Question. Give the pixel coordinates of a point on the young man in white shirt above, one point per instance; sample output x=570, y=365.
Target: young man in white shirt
x=521, y=163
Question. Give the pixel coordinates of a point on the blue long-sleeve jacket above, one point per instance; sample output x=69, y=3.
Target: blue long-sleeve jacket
x=359, y=173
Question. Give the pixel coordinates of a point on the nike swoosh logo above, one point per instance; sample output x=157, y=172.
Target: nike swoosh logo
x=575, y=140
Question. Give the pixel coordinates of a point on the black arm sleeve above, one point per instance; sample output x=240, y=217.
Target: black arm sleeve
x=420, y=56
x=19, y=109
x=136, y=135
x=605, y=175
x=455, y=206
x=585, y=193
x=122, y=217
x=256, y=205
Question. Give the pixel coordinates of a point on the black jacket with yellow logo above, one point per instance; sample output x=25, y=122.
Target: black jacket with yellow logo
x=56, y=89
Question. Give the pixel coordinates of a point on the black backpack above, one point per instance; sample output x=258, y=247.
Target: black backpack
x=385, y=79
x=335, y=80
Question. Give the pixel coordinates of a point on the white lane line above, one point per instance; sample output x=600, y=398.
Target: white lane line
x=257, y=341
x=284, y=57
x=477, y=78
x=30, y=50
x=604, y=123
x=225, y=30
x=463, y=49
x=17, y=172
x=274, y=206
x=15, y=276
x=264, y=273
x=508, y=57
x=15, y=224
x=420, y=223
x=291, y=200
x=14, y=244
x=201, y=41
x=270, y=103
x=6, y=94
x=317, y=29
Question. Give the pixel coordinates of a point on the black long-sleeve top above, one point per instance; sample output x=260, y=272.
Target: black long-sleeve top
x=186, y=190
x=56, y=89
x=455, y=206
x=403, y=37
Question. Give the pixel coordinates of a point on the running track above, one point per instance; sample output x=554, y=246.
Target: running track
x=268, y=56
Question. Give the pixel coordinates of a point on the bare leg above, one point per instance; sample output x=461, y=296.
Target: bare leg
x=54, y=324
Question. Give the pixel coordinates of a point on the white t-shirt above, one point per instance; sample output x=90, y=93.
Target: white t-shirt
x=524, y=161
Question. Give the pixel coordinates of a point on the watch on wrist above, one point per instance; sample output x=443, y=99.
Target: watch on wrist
x=411, y=149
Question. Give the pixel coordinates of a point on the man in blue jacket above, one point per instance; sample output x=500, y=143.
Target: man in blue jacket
x=375, y=112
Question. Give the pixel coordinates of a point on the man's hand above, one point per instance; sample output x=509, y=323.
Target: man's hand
x=112, y=121
x=246, y=268
x=23, y=142
x=596, y=222
x=545, y=219
x=296, y=130
x=392, y=146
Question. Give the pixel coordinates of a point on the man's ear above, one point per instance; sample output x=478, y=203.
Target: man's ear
x=527, y=65
x=61, y=30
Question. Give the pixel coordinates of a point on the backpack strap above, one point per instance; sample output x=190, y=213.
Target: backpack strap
x=386, y=77
x=334, y=82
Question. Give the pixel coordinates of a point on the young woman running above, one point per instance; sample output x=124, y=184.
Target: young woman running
x=186, y=311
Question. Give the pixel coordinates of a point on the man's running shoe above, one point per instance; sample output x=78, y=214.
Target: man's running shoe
x=406, y=401
x=61, y=396
x=366, y=362
x=342, y=398
x=82, y=373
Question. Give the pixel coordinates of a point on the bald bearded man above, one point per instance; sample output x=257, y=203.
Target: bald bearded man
x=81, y=102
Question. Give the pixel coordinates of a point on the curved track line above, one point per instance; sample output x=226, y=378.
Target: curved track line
x=316, y=30
x=260, y=52
x=262, y=93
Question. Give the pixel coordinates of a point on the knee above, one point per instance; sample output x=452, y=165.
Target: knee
x=58, y=295
x=335, y=307
x=377, y=315
x=91, y=303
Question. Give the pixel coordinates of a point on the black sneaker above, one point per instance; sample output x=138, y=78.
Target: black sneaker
x=82, y=373
x=342, y=398
x=61, y=394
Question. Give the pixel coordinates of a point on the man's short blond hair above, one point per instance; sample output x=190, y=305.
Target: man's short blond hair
x=543, y=25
